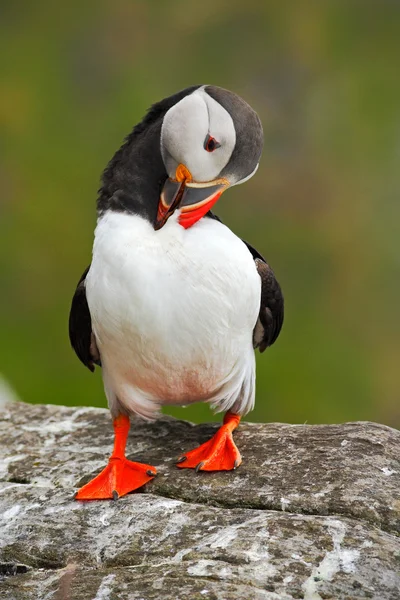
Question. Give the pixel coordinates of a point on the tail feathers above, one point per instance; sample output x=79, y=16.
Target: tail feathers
x=128, y=399
x=237, y=392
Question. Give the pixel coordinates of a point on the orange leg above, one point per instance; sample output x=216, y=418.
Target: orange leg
x=121, y=475
x=218, y=454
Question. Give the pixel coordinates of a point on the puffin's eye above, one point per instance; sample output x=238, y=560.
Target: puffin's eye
x=210, y=143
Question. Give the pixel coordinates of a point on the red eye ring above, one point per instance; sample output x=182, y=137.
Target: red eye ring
x=210, y=143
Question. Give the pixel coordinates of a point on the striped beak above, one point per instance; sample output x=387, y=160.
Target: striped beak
x=193, y=200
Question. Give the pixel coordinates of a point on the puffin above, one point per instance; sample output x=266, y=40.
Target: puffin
x=174, y=304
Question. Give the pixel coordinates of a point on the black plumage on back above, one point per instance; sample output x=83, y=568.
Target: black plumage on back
x=134, y=177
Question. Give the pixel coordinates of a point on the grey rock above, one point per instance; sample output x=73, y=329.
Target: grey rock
x=312, y=513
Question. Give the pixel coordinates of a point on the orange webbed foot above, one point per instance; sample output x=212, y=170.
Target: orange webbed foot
x=119, y=477
x=218, y=454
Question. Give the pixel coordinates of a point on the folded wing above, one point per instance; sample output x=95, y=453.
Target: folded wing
x=80, y=327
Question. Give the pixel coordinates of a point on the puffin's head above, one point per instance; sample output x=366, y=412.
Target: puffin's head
x=210, y=139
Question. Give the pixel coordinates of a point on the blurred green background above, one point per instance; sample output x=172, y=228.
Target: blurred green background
x=323, y=208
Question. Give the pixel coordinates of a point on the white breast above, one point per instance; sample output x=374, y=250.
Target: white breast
x=173, y=313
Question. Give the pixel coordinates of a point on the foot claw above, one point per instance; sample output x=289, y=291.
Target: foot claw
x=218, y=454
x=119, y=477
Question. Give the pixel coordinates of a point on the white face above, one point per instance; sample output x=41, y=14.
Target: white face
x=184, y=131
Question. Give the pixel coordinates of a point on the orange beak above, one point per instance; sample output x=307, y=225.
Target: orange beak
x=193, y=199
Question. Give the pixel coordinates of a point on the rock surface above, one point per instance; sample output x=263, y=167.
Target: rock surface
x=313, y=512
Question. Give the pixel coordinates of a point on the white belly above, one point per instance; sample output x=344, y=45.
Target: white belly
x=173, y=313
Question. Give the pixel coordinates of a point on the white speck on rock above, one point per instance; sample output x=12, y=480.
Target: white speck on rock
x=11, y=512
x=387, y=471
x=179, y=555
x=345, y=442
x=104, y=518
x=175, y=525
x=104, y=591
x=200, y=568
x=4, y=462
x=8, y=487
x=158, y=583
x=284, y=504
x=319, y=494
x=66, y=426
x=42, y=482
x=223, y=538
x=334, y=561
x=225, y=573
